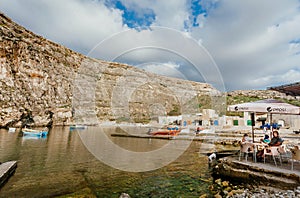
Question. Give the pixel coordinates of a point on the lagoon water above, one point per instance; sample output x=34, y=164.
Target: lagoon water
x=61, y=166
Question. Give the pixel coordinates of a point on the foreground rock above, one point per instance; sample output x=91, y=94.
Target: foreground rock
x=257, y=173
x=224, y=188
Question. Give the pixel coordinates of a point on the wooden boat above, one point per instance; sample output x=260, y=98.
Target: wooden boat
x=32, y=132
x=173, y=131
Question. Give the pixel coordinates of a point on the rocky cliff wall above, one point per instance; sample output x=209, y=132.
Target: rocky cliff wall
x=262, y=94
x=43, y=83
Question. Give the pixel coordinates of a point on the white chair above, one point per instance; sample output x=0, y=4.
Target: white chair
x=246, y=148
x=272, y=151
x=282, y=149
x=295, y=156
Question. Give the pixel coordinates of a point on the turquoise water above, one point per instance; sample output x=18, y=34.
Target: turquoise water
x=61, y=166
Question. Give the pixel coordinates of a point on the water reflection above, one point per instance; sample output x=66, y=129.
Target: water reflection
x=61, y=165
x=28, y=138
x=133, y=158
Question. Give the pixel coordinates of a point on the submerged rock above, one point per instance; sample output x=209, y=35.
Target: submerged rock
x=124, y=195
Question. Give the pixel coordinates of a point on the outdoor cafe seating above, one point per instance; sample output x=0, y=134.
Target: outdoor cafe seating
x=246, y=148
x=272, y=151
x=264, y=106
x=275, y=153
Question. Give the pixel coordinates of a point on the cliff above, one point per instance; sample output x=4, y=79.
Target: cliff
x=43, y=83
x=240, y=96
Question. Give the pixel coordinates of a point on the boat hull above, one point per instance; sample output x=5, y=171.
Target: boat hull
x=12, y=130
x=36, y=133
x=78, y=127
x=166, y=132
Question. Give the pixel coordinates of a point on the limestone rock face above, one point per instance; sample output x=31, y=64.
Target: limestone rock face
x=263, y=94
x=57, y=85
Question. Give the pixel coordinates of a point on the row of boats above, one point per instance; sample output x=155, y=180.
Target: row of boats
x=31, y=132
x=43, y=132
x=170, y=131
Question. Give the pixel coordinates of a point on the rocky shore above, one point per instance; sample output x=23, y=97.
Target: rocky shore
x=223, y=188
x=250, y=179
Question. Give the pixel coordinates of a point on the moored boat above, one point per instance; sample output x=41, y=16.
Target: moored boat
x=173, y=131
x=11, y=130
x=32, y=132
x=78, y=127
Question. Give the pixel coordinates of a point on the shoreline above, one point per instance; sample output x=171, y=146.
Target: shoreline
x=217, y=135
x=219, y=139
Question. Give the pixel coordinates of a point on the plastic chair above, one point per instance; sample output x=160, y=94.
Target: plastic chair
x=295, y=156
x=282, y=149
x=246, y=147
x=272, y=151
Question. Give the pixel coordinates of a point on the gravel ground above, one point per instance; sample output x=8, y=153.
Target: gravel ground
x=268, y=192
x=224, y=188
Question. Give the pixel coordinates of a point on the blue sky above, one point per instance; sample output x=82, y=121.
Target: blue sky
x=143, y=18
x=254, y=44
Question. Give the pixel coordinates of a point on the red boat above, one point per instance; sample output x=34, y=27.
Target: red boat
x=169, y=131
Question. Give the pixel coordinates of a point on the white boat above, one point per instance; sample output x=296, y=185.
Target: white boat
x=11, y=130
x=32, y=132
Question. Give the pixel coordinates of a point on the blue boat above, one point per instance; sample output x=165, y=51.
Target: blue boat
x=32, y=132
x=78, y=127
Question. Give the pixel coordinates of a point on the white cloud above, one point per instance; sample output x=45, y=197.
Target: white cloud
x=161, y=45
x=77, y=24
x=201, y=19
x=277, y=79
x=294, y=48
x=249, y=40
x=166, y=69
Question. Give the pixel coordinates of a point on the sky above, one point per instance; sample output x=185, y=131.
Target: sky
x=234, y=45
